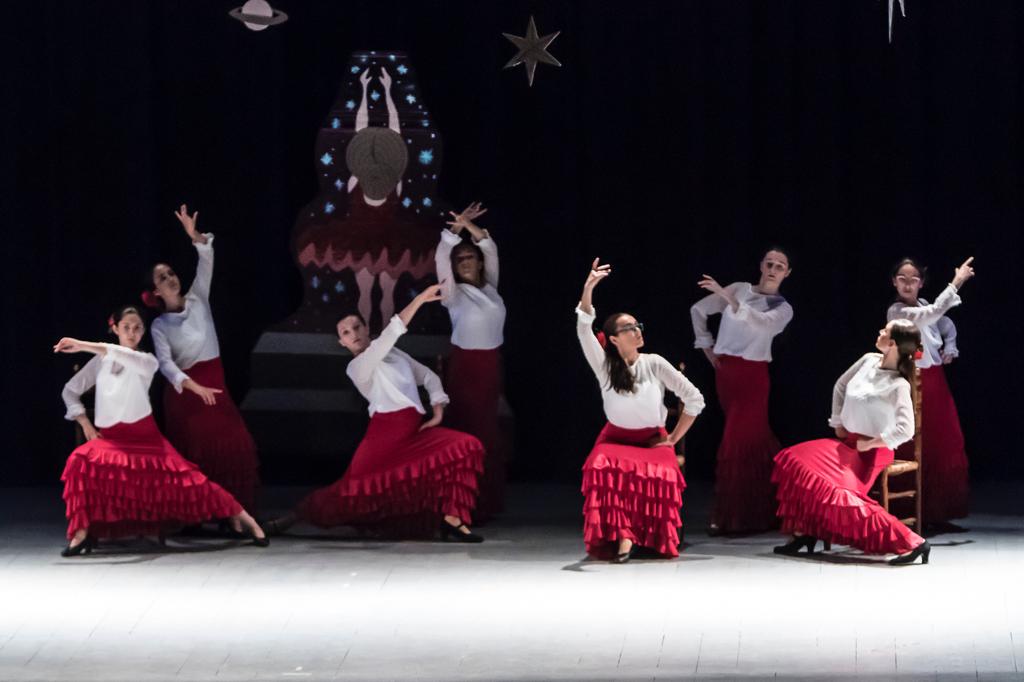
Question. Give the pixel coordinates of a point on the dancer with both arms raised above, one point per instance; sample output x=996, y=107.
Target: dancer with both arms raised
x=407, y=474
x=632, y=485
x=468, y=272
x=944, y=480
x=126, y=479
x=201, y=419
x=752, y=316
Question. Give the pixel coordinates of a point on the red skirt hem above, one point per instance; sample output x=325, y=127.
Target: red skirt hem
x=812, y=504
x=401, y=480
x=631, y=491
x=133, y=482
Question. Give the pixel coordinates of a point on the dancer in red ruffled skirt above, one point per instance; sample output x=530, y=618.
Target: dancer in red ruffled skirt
x=468, y=272
x=823, y=484
x=200, y=418
x=632, y=485
x=944, y=476
x=752, y=316
x=127, y=479
x=407, y=474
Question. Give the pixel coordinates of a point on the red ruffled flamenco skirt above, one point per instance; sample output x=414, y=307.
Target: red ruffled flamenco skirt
x=131, y=481
x=631, y=491
x=823, y=491
x=401, y=480
x=944, y=477
x=744, y=494
x=213, y=436
x=473, y=381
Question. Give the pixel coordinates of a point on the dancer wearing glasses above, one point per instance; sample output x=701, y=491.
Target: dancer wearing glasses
x=632, y=485
x=944, y=481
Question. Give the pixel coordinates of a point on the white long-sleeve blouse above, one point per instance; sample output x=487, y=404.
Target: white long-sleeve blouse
x=387, y=377
x=938, y=333
x=873, y=402
x=477, y=313
x=122, y=378
x=645, y=407
x=183, y=338
x=746, y=332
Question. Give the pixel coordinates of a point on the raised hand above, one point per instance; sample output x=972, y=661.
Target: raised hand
x=709, y=283
x=385, y=78
x=189, y=223
x=597, y=273
x=68, y=345
x=364, y=78
x=431, y=293
x=466, y=218
x=963, y=273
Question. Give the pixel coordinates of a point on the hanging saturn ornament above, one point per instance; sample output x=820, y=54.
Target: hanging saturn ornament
x=258, y=14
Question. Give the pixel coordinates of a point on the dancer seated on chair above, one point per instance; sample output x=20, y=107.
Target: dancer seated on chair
x=632, y=484
x=126, y=479
x=407, y=475
x=823, y=484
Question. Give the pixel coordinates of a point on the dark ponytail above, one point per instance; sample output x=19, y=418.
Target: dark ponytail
x=907, y=338
x=620, y=378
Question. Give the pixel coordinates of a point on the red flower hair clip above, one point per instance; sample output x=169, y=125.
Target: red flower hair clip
x=110, y=322
x=918, y=355
x=602, y=339
x=151, y=300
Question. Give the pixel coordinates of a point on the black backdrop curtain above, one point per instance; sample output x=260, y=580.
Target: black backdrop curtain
x=679, y=138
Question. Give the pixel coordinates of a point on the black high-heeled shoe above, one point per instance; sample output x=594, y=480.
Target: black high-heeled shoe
x=83, y=547
x=624, y=557
x=260, y=542
x=924, y=550
x=793, y=547
x=450, y=532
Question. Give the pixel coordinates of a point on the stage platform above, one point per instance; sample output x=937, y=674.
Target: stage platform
x=525, y=605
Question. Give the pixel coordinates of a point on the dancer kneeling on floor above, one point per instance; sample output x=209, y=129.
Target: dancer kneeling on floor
x=126, y=479
x=823, y=484
x=632, y=485
x=407, y=474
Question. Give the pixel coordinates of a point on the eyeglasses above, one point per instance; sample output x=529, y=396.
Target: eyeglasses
x=638, y=327
x=903, y=279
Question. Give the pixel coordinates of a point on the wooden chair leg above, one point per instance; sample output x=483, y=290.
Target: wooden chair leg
x=919, y=523
x=885, y=491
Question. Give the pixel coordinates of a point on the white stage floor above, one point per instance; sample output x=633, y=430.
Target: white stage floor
x=522, y=606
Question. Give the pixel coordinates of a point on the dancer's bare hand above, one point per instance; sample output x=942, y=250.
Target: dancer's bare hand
x=189, y=223
x=68, y=345
x=841, y=433
x=435, y=419
x=364, y=78
x=712, y=357
x=963, y=273
x=385, y=78
x=90, y=432
x=466, y=218
x=207, y=395
x=709, y=283
x=597, y=273
x=431, y=293
x=948, y=358
x=659, y=441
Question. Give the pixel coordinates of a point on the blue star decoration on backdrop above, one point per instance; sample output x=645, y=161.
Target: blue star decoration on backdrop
x=532, y=49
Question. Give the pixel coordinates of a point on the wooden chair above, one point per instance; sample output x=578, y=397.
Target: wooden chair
x=901, y=467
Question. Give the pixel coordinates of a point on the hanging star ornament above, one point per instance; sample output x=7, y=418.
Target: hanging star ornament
x=903, y=13
x=532, y=49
